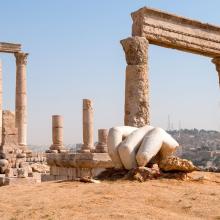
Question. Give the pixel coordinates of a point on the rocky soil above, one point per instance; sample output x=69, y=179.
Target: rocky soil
x=197, y=198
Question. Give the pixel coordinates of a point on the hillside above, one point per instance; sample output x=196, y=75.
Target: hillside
x=200, y=146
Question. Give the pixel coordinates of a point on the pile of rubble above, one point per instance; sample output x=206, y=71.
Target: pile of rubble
x=171, y=167
x=17, y=161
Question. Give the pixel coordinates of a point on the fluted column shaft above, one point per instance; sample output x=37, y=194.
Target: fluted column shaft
x=21, y=98
x=137, y=110
x=101, y=147
x=88, y=123
x=57, y=132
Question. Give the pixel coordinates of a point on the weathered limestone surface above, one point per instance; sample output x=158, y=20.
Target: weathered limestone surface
x=57, y=132
x=36, y=157
x=101, y=147
x=9, y=47
x=19, y=181
x=3, y=165
x=9, y=132
x=135, y=49
x=88, y=123
x=40, y=168
x=137, y=82
x=169, y=30
x=177, y=164
x=80, y=160
x=21, y=98
x=70, y=166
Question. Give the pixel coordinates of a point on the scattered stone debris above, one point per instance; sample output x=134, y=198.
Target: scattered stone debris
x=40, y=168
x=88, y=179
x=22, y=173
x=210, y=169
x=143, y=174
x=3, y=165
x=177, y=164
x=178, y=175
x=176, y=169
x=140, y=174
x=112, y=174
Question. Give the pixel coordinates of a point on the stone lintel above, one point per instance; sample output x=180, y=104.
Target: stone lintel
x=9, y=47
x=172, y=31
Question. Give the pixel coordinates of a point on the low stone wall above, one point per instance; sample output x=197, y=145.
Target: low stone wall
x=36, y=157
x=71, y=166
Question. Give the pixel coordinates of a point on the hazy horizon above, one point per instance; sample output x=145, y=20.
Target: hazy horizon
x=75, y=53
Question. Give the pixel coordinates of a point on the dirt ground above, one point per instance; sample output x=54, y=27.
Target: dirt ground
x=154, y=199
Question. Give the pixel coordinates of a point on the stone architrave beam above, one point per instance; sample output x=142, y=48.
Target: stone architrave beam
x=9, y=47
x=172, y=31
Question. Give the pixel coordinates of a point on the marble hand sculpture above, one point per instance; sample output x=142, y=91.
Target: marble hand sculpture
x=130, y=147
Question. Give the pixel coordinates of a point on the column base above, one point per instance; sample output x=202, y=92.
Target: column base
x=86, y=149
x=57, y=147
x=101, y=149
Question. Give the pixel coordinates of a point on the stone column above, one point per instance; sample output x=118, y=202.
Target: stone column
x=57, y=133
x=137, y=83
x=1, y=103
x=21, y=99
x=88, y=143
x=216, y=61
x=101, y=147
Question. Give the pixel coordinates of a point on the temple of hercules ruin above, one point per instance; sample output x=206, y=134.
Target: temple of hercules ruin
x=149, y=26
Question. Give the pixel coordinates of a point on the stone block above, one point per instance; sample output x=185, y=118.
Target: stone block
x=22, y=172
x=9, y=132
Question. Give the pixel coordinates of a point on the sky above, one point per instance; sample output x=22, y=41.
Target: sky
x=75, y=53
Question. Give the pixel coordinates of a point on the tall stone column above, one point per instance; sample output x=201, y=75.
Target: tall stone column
x=216, y=61
x=88, y=143
x=21, y=99
x=137, y=83
x=101, y=147
x=1, y=103
x=57, y=133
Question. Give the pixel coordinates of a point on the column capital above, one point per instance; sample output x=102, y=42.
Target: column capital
x=21, y=58
x=87, y=104
x=216, y=61
x=135, y=49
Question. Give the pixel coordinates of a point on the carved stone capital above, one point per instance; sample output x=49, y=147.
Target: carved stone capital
x=87, y=104
x=135, y=49
x=216, y=61
x=21, y=58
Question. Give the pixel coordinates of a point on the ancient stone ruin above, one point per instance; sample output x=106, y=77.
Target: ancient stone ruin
x=15, y=157
x=152, y=26
x=137, y=144
x=89, y=161
x=15, y=124
x=149, y=27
